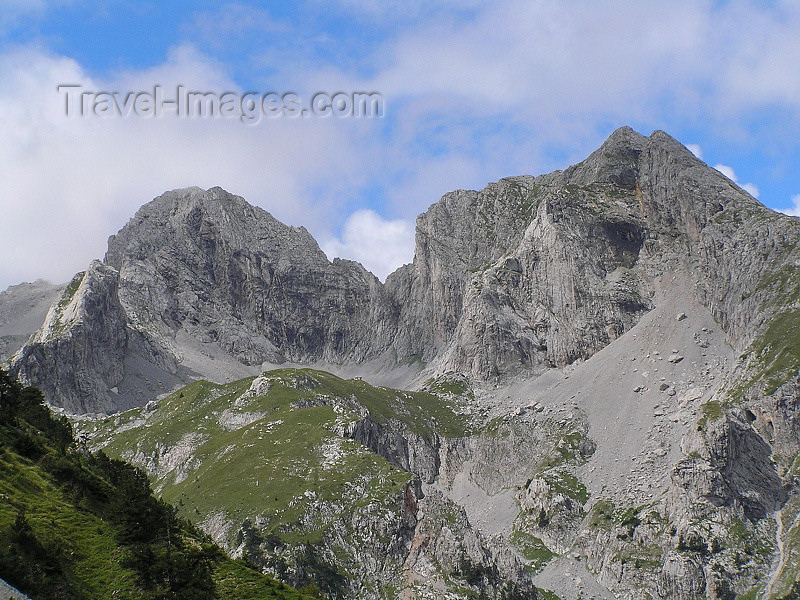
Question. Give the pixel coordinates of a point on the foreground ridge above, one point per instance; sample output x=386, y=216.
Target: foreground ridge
x=76, y=524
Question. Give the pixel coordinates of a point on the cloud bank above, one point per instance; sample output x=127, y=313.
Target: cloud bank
x=474, y=92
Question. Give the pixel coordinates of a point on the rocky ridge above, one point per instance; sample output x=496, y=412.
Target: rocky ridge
x=528, y=274
x=22, y=311
x=626, y=327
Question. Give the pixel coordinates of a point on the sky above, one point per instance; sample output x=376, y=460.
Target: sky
x=471, y=92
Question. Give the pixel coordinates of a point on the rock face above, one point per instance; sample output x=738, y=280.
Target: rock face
x=81, y=346
x=622, y=334
x=529, y=272
x=22, y=311
x=402, y=448
x=226, y=272
x=200, y=268
x=526, y=274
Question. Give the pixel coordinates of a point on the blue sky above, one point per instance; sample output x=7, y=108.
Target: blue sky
x=473, y=91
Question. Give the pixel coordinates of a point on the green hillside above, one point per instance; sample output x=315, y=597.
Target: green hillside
x=75, y=524
x=269, y=466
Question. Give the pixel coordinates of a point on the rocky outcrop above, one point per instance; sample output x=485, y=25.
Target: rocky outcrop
x=526, y=274
x=682, y=578
x=403, y=448
x=208, y=263
x=196, y=269
x=23, y=309
x=78, y=354
x=733, y=467
x=445, y=547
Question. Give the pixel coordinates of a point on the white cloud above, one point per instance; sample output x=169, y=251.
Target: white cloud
x=493, y=90
x=761, y=67
x=750, y=188
x=380, y=245
x=696, y=150
x=528, y=59
x=793, y=210
x=70, y=182
x=727, y=171
x=560, y=68
x=233, y=23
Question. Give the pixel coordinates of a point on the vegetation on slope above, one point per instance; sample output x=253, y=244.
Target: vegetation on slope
x=773, y=357
x=269, y=468
x=253, y=458
x=79, y=525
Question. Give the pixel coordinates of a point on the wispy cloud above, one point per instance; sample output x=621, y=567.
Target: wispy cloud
x=793, y=210
x=750, y=188
x=380, y=245
x=696, y=150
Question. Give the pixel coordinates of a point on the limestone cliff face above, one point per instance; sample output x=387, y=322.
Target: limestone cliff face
x=211, y=265
x=526, y=274
x=77, y=355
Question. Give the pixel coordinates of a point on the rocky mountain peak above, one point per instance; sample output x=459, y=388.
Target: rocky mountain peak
x=615, y=162
x=608, y=356
x=197, y=220
x=527, y=274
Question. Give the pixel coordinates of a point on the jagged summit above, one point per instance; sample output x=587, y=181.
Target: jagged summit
x=618, y=160
x=528, y=274
x=193, y=216
x=608, y=361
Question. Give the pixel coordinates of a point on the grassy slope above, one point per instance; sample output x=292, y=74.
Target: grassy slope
x=89, y=540
x=279, y=459
x=80, y=555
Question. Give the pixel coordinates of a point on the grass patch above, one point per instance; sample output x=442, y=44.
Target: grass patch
x=450, y=384
x=66, y=298
x=62, y=528
x=564, y=482
x=709, y=412
x=777, y=351
x=238, y=581
x=570, y=444
x=71, y=290
x=532, y=548
x=601, y=516
x=424, y=413
x=641, y=557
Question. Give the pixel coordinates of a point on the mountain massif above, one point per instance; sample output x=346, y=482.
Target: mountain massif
x=605, y=372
